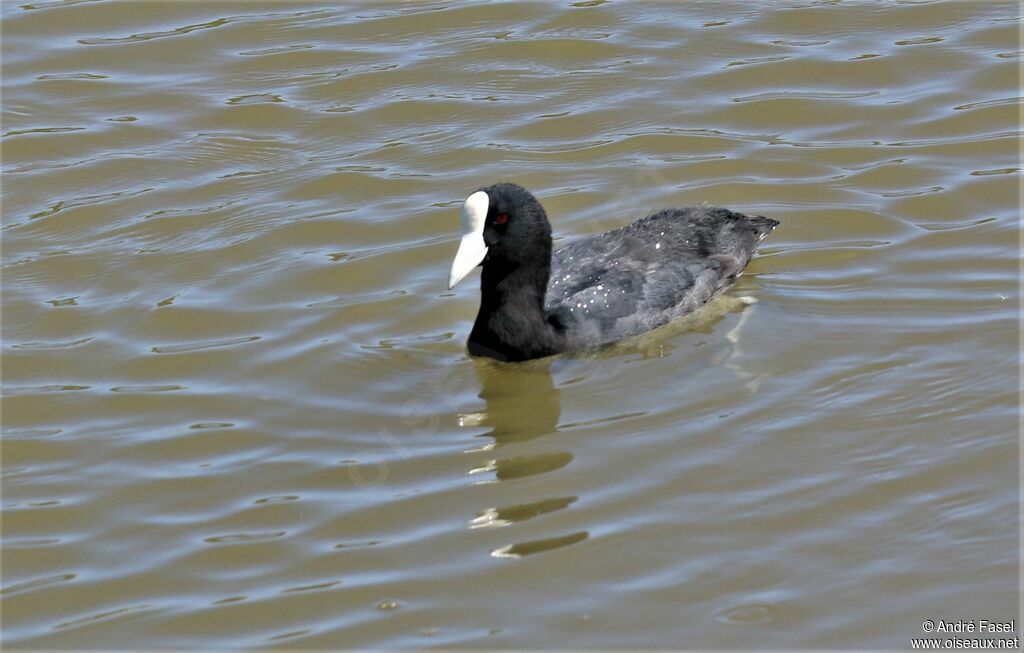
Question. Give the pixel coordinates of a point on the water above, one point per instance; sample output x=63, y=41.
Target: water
x=238, y=409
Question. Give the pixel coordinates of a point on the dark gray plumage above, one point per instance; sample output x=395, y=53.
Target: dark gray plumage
x=604, y=287
x=638, y=277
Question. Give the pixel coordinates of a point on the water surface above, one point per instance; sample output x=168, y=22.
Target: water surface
x=238, y=411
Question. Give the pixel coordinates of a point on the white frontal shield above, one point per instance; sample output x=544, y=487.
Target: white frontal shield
x=472, y=249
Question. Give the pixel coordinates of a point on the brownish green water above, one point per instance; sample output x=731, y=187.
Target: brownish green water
x=237, y=406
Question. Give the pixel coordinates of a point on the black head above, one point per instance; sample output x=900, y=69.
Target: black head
x=504, y=228
x=516, y=230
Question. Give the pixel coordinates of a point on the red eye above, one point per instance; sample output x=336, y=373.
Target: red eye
x=501, y=218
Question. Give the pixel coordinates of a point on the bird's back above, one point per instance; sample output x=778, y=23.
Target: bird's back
x=640, y=276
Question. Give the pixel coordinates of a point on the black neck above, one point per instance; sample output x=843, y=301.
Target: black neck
x=512, y=324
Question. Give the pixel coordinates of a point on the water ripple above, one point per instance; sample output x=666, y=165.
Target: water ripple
x=238, y=410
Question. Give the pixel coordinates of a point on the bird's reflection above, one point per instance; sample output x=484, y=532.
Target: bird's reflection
x=522, y=401
x=522, y=405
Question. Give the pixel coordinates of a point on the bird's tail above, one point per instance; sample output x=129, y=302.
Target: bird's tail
x=763, y=226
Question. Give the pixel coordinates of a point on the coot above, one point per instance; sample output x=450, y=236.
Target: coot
x=596, y=289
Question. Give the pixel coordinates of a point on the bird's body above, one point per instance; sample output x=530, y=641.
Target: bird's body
x=638, y=277
x=598, y=288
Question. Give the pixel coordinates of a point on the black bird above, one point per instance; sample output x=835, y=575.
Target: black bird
x=596, y=289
